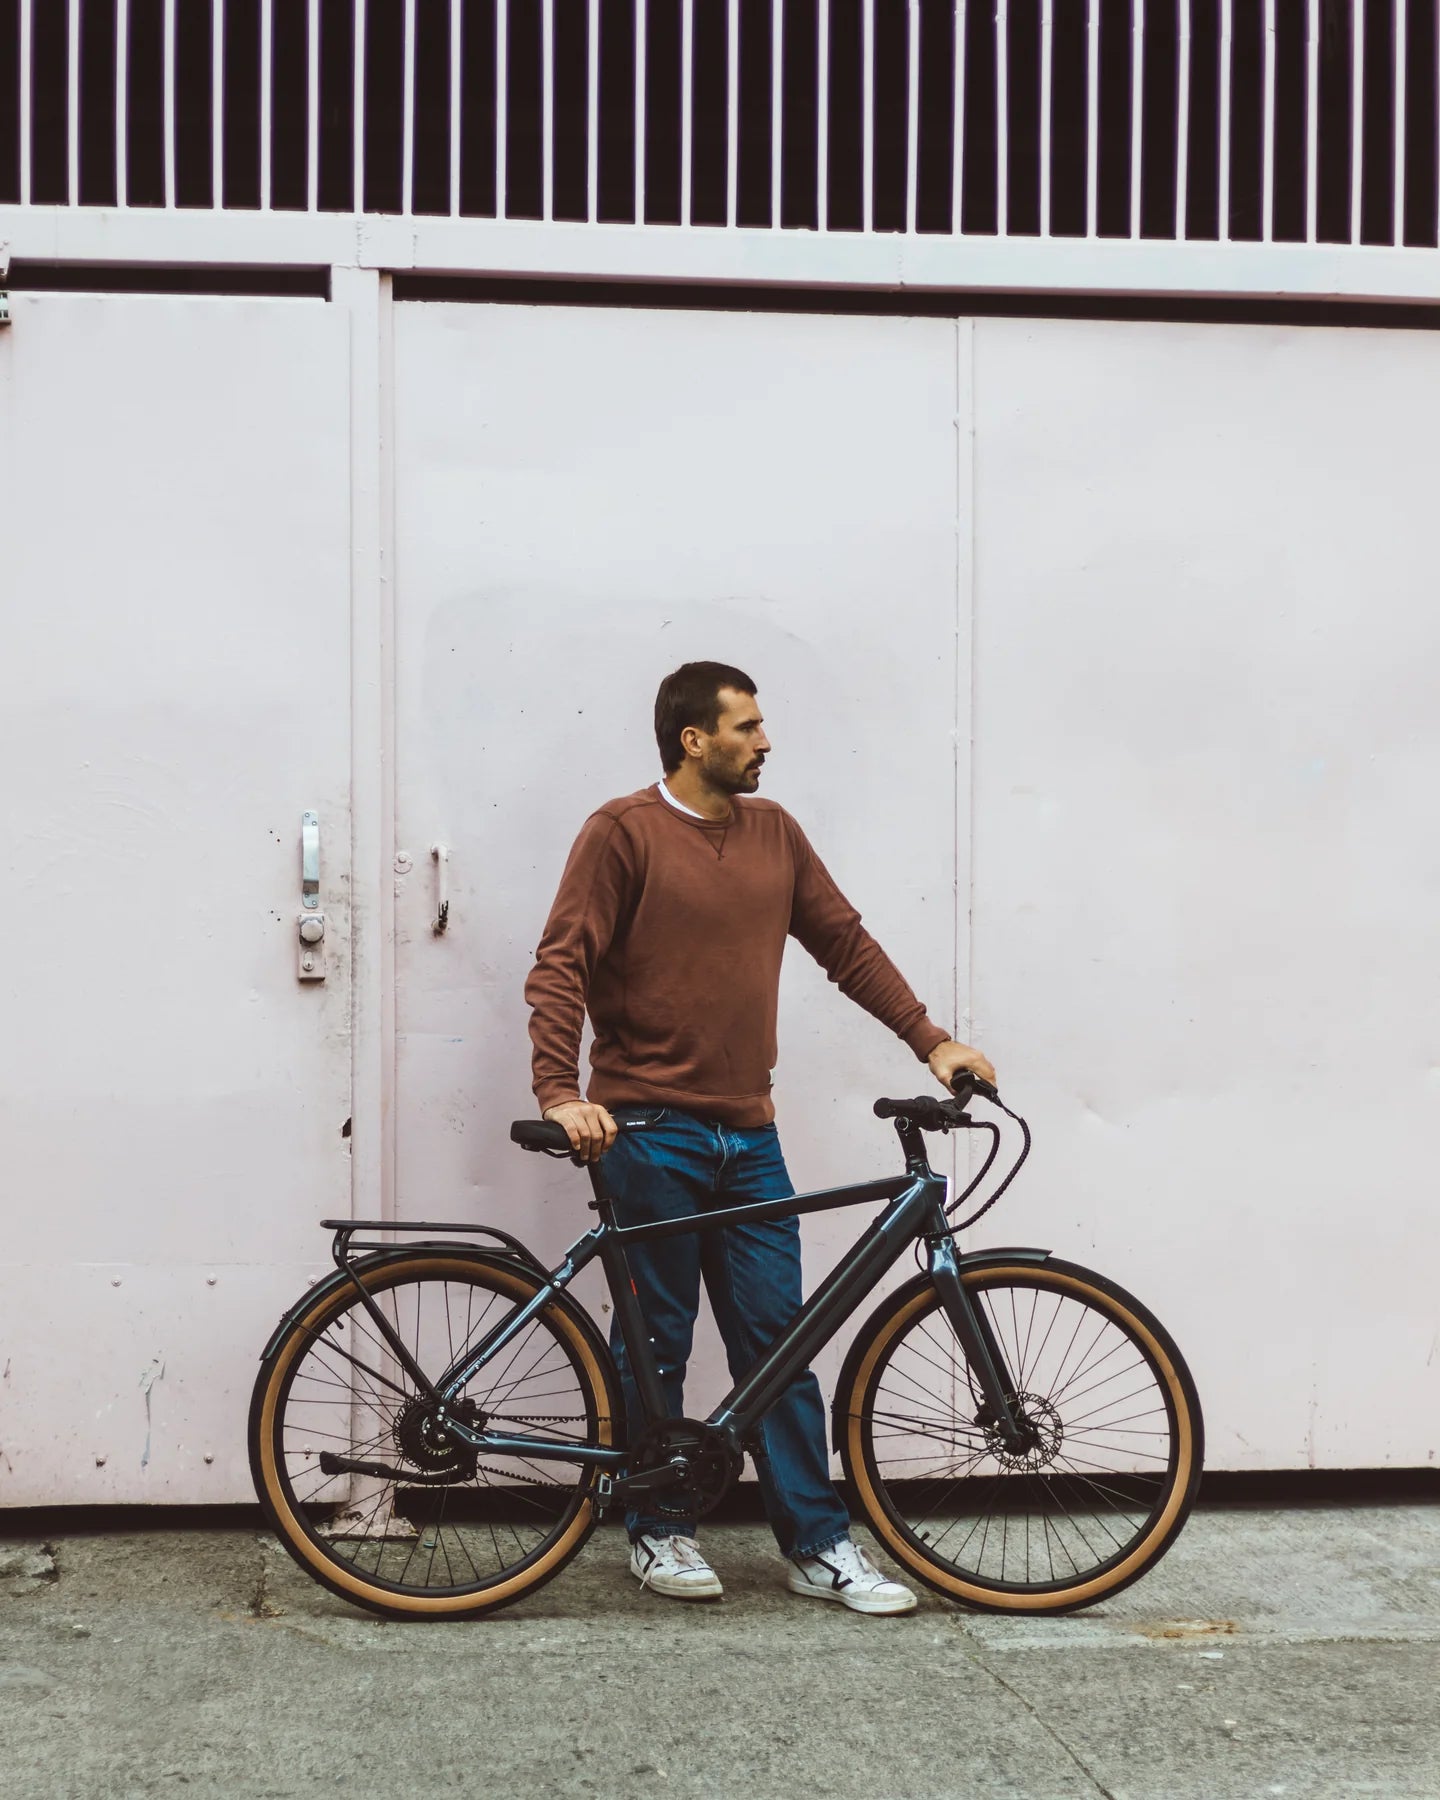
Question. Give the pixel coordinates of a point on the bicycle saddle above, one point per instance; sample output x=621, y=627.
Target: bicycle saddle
x=549, y=1138
x=540, y=1134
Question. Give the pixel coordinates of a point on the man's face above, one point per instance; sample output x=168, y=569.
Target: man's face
x=732, y=755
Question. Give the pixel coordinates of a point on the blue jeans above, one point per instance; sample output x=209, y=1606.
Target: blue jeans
x=679, y=1166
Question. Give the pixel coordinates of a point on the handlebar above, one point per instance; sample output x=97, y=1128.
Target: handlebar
x=924, y=1111
x=939, y=1115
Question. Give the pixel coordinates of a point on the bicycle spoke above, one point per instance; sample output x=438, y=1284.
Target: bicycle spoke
x=456, y=1525
x=1084, y=1481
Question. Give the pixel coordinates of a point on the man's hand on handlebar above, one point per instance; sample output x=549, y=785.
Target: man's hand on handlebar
x=950, y=1059
x=590, y=1129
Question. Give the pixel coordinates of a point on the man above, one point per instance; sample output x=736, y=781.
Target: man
x=669, y=926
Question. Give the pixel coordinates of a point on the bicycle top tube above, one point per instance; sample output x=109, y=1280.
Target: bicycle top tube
x=912, y=1118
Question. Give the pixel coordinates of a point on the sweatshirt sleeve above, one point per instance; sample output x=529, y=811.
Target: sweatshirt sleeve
x=594, y=893
x=828, y=926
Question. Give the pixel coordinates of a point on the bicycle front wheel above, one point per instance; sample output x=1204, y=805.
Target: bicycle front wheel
x=1114, y=1435
x=430, y=1528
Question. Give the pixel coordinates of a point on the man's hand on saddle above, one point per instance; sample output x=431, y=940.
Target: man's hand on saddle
x=590, y=1129
x=950, y=1059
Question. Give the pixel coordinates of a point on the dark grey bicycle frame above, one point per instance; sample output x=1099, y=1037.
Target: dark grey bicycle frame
x=916, y=1211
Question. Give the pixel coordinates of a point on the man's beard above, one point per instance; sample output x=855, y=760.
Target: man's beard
x=730, y=780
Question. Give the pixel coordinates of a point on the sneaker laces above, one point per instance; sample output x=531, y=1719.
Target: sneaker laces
x=848, y=1562
x=685, y=1551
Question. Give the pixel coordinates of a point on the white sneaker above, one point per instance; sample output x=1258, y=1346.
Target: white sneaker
x=675, y=1567
x=845, y=1573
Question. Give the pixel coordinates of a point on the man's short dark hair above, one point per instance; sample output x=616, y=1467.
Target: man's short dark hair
x=691, y=696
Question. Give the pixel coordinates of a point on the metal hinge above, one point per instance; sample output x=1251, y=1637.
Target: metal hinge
x=4, y=284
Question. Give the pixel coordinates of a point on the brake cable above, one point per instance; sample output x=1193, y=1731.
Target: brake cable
x=985, y=1167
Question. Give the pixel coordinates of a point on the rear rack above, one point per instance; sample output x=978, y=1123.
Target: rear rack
x=345, y=1230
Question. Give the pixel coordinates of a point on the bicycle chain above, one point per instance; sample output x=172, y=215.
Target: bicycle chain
x=528, y=1419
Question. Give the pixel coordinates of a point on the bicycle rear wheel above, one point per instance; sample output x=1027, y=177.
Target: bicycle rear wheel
x=1106, y=1480
x=449, y=1533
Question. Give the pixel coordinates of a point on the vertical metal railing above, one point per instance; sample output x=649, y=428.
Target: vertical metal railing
x=312, y=105
x=1047, y=106
x=732, y=113
x=1312, y=121
x=777, y=108
x=1308, y=87
x=1137, y=108
x=72, y=101
x=502, y=109
x=1227, y=63
x=1357, y=115
x=1092, y=119
x=267, y=99
x=687, y=106
x=642, y=72
x=217, y=105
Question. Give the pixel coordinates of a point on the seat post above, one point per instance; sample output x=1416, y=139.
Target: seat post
x=604, y=1199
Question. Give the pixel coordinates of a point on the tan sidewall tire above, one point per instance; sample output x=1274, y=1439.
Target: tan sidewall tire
x=337, y=1576
x=1084, y=1593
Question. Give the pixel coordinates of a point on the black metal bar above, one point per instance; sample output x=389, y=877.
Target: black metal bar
x=973, y=1330
x=495, y=1443
x=469, y=1363
x=639, y=1348
x=889, y=1187
x=503, y=1238
x=829, y=1306
x=391, y=1337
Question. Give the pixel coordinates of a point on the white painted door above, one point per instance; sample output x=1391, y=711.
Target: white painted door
x=1205, y=857
x=585, y=499
x=174, y=693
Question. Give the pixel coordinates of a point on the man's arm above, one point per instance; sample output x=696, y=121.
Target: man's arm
x=593, y=895
x=828, y=926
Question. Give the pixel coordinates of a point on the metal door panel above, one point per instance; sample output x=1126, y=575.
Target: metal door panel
x=174, y=514
x=1205, y=877
x=585, y=499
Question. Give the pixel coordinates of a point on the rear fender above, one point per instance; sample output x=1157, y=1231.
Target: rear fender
x=362, y=1265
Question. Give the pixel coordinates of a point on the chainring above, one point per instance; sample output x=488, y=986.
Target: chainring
x=713, y=1465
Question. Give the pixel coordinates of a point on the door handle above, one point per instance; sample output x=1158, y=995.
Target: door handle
x=311, y=950
x=441, y=853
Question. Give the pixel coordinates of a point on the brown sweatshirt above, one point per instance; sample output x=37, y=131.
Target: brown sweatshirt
x=670, y=929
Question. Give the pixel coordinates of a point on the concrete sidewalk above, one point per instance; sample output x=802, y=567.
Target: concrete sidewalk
x=1274, y=1652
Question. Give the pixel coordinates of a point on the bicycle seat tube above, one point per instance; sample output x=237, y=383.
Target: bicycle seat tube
x=634, y=1332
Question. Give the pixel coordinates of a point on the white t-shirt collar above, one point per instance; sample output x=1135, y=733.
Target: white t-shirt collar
x=679, y=806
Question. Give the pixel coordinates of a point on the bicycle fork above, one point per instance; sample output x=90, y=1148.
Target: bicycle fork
x=977, y=1340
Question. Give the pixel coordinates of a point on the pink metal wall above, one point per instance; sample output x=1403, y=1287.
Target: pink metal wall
x=1095, y=657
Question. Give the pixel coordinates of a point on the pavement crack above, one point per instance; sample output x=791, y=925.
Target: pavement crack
x=260, y=1605
x=1079, y=1761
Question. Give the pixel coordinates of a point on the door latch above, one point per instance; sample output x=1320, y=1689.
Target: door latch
x=441, y=854
x=311, y=949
